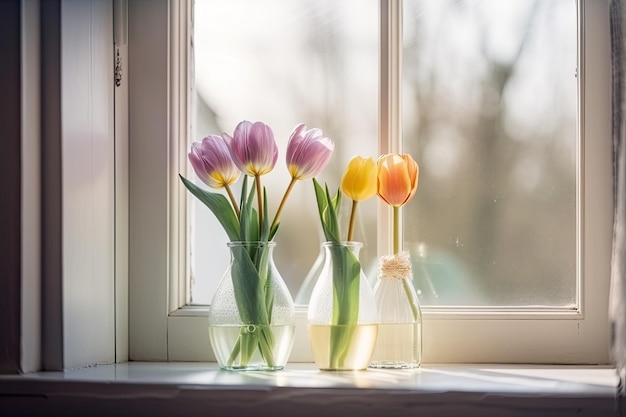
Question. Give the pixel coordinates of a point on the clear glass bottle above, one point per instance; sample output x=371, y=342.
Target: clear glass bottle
x=252, y=315
x=399, y=343
x=342, y=317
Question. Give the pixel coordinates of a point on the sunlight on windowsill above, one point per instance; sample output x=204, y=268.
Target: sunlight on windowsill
x=484, y=389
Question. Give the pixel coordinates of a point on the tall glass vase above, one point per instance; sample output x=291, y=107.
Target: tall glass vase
x=342, y=318
x=399, y=343
x=252, y=315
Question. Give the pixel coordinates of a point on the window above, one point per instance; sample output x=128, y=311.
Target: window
x=490, y=93
x=305, y=61
x=174, y=329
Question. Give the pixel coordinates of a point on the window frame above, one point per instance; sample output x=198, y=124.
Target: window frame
x=164, y=327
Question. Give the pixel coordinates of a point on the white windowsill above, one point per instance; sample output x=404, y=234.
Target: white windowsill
x=137, y=388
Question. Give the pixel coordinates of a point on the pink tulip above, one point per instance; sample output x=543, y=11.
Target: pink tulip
x=253, y=148
x=212, y=162
x=308, y=152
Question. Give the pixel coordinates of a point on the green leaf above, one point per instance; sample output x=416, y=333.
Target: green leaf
x=253, y=233
x=266, y=344
x=251, y=279
x=219, y=205
x=250, y=272
x=332, y=219
x=244, y=191
x=248, y=288
x=346, y=286
x=328, y=209
x=248, y=218
x=346, y=277
x=336, y=202
x=322, y=205
x=273, y=231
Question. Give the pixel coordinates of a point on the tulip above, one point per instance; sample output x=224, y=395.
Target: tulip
x=358, y=183
x=308, y=152
x=359, y=180
x=254, y=151
x=253, y=148
x=397, y=178
x=212, y=162
x=397, y=183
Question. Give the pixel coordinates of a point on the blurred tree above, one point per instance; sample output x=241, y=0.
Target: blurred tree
x=517, y=247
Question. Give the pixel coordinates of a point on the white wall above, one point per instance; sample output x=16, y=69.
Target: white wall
x=148, y=185
x=78, y=181
x=88, y=181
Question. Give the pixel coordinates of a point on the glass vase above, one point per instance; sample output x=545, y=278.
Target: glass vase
x=399, y=343
x=252, y=316
x=303, y=296
x=342, y=318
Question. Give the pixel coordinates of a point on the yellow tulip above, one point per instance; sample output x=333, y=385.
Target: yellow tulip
x=397, y=178
x=359, y=180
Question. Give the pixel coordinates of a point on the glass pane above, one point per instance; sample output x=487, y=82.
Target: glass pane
x=283, y=63
x=490, y=98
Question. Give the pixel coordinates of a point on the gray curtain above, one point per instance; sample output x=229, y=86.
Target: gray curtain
x=617, y=302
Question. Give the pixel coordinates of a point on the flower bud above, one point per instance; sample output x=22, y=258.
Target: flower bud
x=212, y=162
x=308, y=152
x=253, y=148
x=397, y=178
x=359, y=180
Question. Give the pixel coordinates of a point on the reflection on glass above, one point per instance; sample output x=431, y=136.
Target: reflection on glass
x=490, y=97
x=283, y=63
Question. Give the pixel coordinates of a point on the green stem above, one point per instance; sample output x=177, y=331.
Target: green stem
x=396, y=230
x=352, y=217
x=266, y=345
x=282, y=203
x=248, y=341
x=259, y=198
x=409, y=296
x=232, y=199
x=235, y=352
x=396, y=250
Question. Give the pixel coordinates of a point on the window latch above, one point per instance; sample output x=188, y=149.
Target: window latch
x=120, y=30
x=118, y=67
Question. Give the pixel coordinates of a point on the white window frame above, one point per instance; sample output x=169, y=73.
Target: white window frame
x=163, y=327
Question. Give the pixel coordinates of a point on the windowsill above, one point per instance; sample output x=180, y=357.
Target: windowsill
x=202, y=389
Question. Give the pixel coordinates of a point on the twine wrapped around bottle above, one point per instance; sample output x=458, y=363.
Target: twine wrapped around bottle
x=396, y=266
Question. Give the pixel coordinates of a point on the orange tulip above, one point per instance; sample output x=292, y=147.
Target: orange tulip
x=397, y=178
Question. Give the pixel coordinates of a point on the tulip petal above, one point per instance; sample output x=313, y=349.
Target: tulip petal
x=253, y=148
x=314, y=157
x=359, y=180
x=212, y=162
x=308, y=152
x=413, y=170
x=397, y=178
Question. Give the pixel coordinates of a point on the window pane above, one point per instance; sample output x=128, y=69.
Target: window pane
x=490, y=98
x=283, y=63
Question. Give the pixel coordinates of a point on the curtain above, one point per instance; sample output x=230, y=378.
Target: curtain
x=617, y=302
